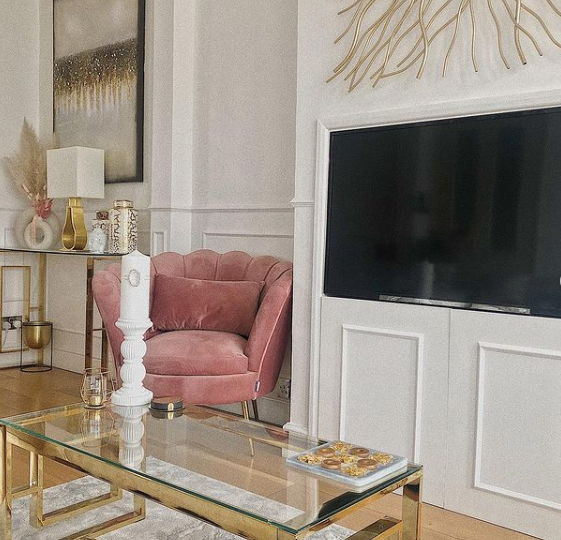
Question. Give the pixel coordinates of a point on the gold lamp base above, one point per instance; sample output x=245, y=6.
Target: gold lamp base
x=74, y=234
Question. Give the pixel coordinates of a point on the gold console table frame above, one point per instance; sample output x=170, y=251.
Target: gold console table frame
x=91, y=259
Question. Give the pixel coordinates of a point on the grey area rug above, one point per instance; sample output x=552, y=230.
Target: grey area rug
x=161, y=523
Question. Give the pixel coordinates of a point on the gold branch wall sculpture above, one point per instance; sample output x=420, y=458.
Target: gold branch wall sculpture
x=390, y=37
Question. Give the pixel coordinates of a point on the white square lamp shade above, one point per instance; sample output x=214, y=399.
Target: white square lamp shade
x=75, y=173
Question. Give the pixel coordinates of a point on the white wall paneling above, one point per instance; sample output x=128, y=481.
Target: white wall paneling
x=495, y=397
x=257, y=231
x=389, y=347
x=280, y=245
x=505, y=421
x=381, y=373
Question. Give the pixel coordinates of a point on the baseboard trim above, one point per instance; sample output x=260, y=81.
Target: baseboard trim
x=296, y=428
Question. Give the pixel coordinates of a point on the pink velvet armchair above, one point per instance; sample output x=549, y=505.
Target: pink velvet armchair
x=202, y=366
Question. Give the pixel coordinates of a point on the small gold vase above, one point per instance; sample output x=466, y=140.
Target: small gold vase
x=37, y=334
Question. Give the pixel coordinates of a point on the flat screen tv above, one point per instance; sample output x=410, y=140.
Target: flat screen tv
x=465, y=211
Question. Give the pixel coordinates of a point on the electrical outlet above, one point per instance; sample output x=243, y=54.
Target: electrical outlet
x=10, y=335
x=12, y=322
x=283, y=388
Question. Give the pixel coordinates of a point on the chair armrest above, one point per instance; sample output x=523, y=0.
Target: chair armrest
x=269, y=335
x=106, y=286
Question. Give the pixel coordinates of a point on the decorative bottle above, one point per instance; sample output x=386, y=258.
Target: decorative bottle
x=123, y=223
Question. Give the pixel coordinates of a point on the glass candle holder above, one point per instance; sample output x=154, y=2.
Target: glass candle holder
x=97, y=387
x=97, y=427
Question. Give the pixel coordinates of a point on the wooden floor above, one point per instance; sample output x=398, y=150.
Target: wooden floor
x=23, y=392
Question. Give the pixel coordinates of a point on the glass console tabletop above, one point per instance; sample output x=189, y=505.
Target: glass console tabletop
x=205, y=454
x=78, y=253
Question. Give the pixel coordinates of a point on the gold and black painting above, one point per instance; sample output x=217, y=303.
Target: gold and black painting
x=99, y=80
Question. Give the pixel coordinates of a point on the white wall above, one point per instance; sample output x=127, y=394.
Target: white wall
x=318, y=26
x=245, y=102
x=19, y=91
x=19, y=84
x=220, y=130
x=244, y=134
x=244, y=128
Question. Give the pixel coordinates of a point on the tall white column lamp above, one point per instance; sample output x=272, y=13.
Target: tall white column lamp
x=134, y=320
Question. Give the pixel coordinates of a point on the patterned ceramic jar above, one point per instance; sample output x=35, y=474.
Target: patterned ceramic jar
x=123, y=222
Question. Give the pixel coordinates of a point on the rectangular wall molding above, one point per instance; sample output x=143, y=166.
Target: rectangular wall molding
x=278, y=245
x=418, y=340
x=160, y=242
x=483, y=349
x=213, y=209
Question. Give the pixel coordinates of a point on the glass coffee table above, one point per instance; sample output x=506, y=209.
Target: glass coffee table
x=213, y=466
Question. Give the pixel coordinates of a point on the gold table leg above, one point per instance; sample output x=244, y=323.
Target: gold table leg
x=5, y=511
x=41, y=311
x=104, y=348
x=245, y=412
x=88, y=347
x=412, y=509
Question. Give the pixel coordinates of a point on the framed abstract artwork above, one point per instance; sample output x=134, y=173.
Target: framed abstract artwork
x=99, y=81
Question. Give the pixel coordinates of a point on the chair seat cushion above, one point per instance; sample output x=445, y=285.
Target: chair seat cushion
x=196, y=352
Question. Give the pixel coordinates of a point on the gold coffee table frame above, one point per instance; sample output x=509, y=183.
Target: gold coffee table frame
x=214, y=512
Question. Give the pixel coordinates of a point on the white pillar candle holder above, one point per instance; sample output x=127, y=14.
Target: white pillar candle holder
x=133, y=322
x=131, y=449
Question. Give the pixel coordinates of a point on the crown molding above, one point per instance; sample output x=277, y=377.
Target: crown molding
x=202, y=209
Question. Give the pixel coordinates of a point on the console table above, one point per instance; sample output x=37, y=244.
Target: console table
x=91, y=259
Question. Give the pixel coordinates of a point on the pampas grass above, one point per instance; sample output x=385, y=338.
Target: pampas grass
x=28, y=167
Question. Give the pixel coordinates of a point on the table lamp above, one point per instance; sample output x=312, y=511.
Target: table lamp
x=75, y=173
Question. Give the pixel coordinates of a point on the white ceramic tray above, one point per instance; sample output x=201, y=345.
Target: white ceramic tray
x=394, y=466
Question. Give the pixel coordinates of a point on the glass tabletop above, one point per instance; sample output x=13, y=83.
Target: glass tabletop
x=83, y=252
x=205, y=453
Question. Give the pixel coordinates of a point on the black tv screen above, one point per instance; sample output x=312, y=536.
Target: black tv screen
x=465, y=210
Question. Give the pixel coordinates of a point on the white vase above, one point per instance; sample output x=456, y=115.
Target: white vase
x=50, y=230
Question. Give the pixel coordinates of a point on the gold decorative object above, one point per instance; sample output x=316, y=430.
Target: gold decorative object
x=74, y=234
x=97, y=387
x=37, y=334
x=389, y=40
x=354, y=470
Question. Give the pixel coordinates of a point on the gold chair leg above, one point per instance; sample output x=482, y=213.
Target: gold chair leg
x=245, y=412
x=255, y=411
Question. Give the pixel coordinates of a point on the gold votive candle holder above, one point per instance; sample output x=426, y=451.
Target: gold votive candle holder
x=97, y=387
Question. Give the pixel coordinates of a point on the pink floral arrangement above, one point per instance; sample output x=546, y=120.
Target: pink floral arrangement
x=28, y=169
